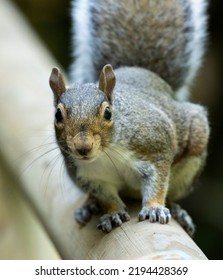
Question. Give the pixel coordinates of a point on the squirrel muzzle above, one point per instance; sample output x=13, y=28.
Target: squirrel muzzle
x=84, y=145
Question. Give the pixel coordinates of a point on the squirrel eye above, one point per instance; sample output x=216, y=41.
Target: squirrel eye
x=107, y=113
x=58, y=115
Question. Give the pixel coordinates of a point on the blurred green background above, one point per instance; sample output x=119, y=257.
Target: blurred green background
x=51, y=20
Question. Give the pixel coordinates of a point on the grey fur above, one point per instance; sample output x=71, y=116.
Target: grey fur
x=152, y=134
x=149, y=143
x=167, y=37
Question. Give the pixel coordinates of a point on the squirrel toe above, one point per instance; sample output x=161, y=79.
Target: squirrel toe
x=154, y=214
x=183, y=218
x=108, y=221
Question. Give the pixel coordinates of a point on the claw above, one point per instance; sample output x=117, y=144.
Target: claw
x=183, y=218
x=105, y=223
x=154, y=214
x=108, y=221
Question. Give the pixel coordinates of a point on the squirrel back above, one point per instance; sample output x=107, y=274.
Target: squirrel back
x=166, y=37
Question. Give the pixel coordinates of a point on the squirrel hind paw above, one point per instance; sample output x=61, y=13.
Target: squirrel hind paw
x=108, y=221
x=183, y=218
x=83, y=214
x=155, y=214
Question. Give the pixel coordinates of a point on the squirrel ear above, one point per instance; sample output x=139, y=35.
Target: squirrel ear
x=57, y=83
x=107, y=81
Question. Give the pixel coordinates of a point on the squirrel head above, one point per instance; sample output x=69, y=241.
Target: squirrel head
x=83, y=115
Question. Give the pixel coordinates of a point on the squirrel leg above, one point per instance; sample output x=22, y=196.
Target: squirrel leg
x=105, y=197
x=183, y=176
x=186, y=169
x=183, y=218
x=154, y=190
x=114, y=217
x=114, y=208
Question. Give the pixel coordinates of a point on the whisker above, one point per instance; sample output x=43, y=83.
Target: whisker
x=51, y=164
x=117, y=152
x=38, y=158
x=35, y=149
x=113, y=163
x=62, y=172
x=117, y=155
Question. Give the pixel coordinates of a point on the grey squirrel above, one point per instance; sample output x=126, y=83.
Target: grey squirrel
x=127, y=134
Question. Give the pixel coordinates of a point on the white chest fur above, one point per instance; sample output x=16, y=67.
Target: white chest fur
x=114, y=167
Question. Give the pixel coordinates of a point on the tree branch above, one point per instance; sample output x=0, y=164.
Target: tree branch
x=28, y=146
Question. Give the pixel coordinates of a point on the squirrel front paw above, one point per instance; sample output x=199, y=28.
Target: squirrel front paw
x=108, y=221
x=84, y=213
x=154, y=214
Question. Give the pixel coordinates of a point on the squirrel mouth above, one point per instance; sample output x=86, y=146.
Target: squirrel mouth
x=85, y=158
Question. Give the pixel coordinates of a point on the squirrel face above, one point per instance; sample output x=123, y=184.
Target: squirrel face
x=83, y=117
x=81, y=131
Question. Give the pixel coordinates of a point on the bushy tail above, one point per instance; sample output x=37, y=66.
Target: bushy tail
x=167, y=37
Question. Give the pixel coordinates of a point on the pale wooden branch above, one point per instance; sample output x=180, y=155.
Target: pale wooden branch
x=26, y=126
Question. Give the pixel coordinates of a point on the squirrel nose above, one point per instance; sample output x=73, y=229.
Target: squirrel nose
x=84, y=149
